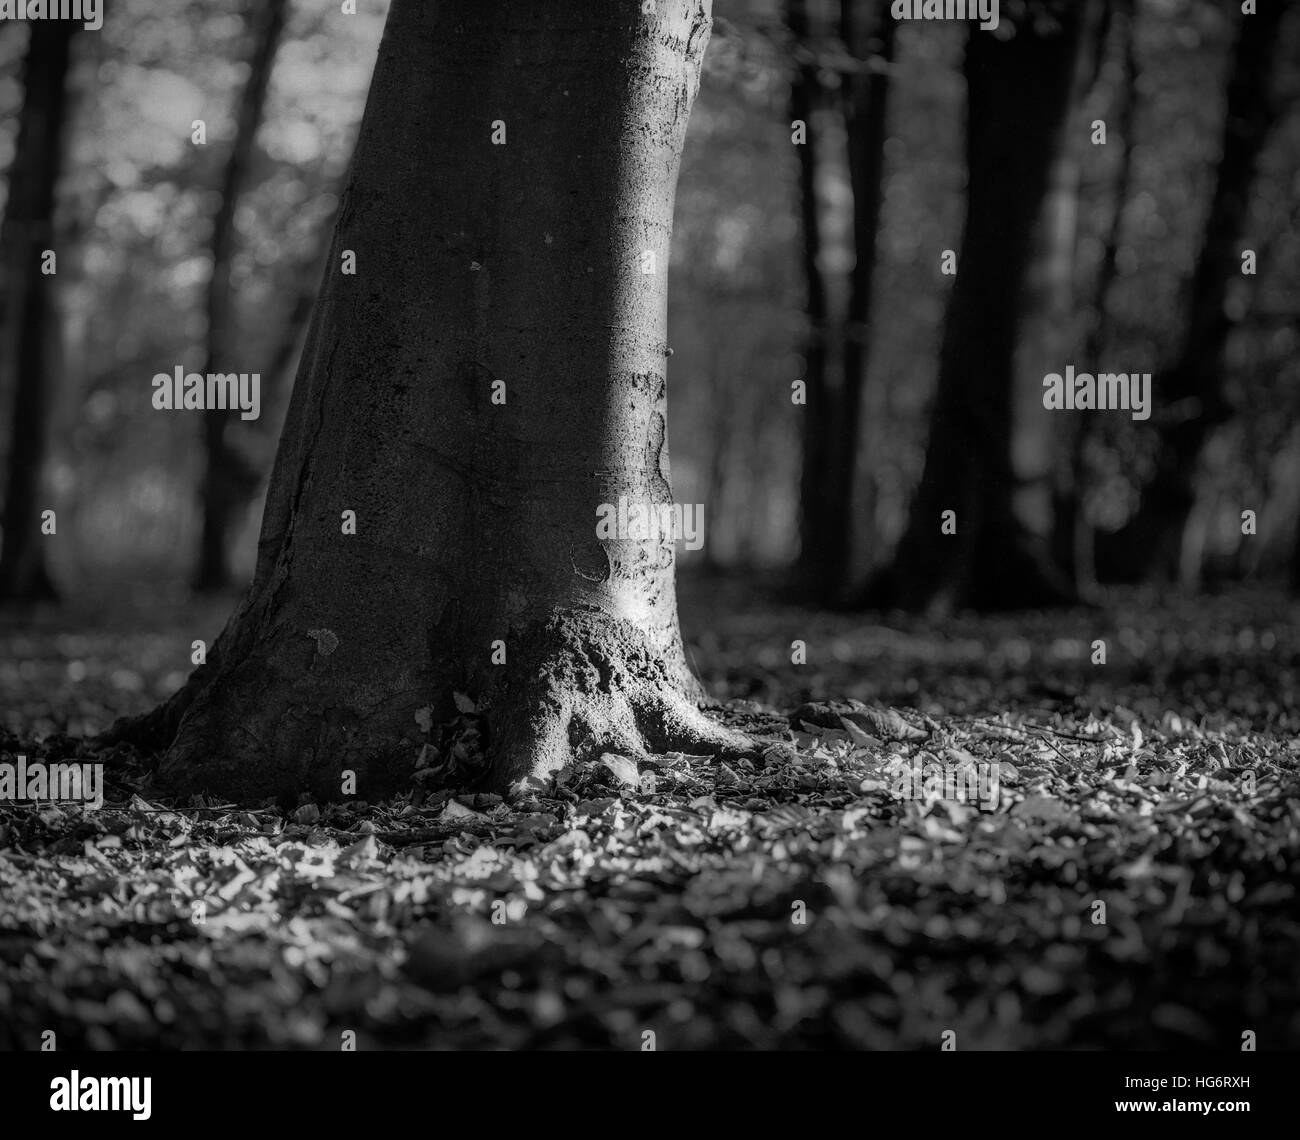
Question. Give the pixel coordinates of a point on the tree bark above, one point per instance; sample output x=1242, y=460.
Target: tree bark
x=26, y=303
x=482, y=270
x=228, y=481
x=1191, y=395
x=1018, y=96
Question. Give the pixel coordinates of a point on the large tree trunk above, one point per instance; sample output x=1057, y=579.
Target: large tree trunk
x=1018, y=96
x=1191, y=394
x=228, y=481
x=485, y=273
x=27, y=306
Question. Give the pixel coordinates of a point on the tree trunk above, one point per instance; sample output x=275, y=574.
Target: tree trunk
x=228, y=482
x=26, y=304
x=818, y=412
x=1018, y=96
x=493, y=373
x=722, y=434
x=1191, y=394
x=1050, y=327
x=1295, y=563
x=866, y=104
x=1074, y=541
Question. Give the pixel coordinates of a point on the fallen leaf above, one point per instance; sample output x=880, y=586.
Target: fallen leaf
x=623, y=767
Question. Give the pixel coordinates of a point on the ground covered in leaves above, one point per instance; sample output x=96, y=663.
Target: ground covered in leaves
x=1129, y=881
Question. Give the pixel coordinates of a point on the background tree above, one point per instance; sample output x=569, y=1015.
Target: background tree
x=27, y=314
x=1191, y=392
x=228, y=478
x=1018, y=95
x=807, y=101
x=1052, y=317
x=857, y=47
x=868, y=34
x=1115, y=87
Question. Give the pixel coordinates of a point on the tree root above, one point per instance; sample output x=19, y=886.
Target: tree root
x=274, y=720
x=592, y=684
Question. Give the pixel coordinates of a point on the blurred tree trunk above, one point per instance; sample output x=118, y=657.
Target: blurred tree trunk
x=806, y=98
x=1295, y=562
x=228, y=480
x=1114, y=73
x=1018, y=98
x=1191, y=399
x=866, y=96
x=475, y=394
x=27, y=305
x=1073, y=542
x=722, y=433
x=1050, y=325
x=833, y=411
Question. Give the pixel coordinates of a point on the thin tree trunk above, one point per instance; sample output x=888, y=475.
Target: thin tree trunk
x=1124, y=27
x=1075, y=539
x=1191, y=394
x=1295, y=562
x=1018, y=97
x=27, y=306
x=818, y=411
x=865, y=107
x=493, y=373
x=228, y=481
x=722, y=418
x=1050, y=329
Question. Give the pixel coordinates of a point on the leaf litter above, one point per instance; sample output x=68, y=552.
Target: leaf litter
x=789, y=900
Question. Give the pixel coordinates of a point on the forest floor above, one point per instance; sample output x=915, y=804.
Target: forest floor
x=1124, y=874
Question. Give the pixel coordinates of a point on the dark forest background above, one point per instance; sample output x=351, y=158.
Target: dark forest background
x=819, y=263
